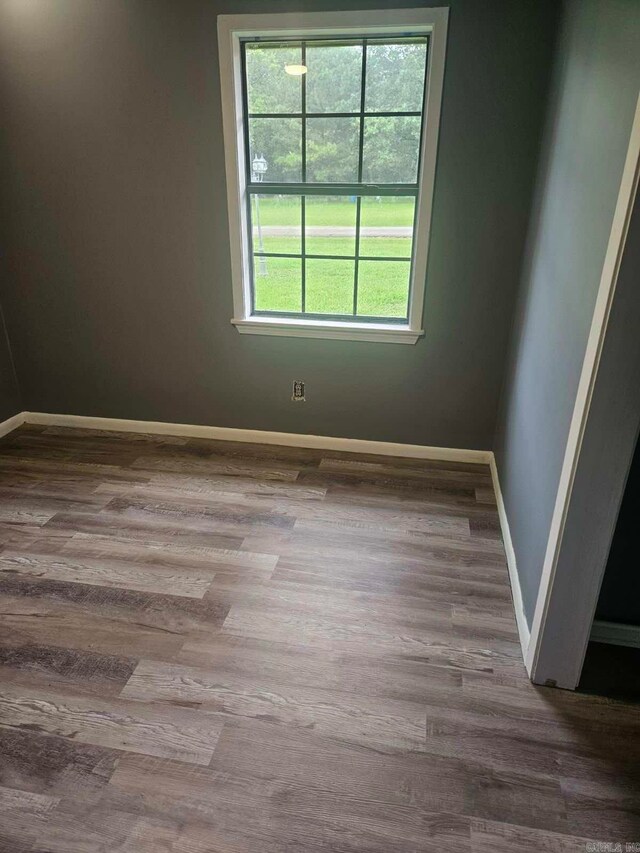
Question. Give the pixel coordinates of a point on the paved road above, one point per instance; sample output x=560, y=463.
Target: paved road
x=333, y=231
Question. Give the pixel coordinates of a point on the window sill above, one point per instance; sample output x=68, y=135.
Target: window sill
x=330, y=329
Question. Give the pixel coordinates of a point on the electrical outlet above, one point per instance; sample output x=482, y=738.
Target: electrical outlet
x=298, y=391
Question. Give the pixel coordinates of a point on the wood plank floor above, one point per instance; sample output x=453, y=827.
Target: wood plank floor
x=210, y=647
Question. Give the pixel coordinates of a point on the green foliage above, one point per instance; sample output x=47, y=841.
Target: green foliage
x=333, y=79
x=394, y=82
x=395, y=77
x=332, y=150
x=269, y=88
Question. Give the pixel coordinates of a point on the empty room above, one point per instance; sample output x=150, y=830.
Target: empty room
x=319, y=417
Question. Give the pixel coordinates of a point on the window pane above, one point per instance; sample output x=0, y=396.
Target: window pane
x=386, y=226
x=269, y=88
x=332, y=150
x=330, y=225
x=334, y=78
x=395, y=77
x=329, y=286
x=303, y=245
x=391, y=148
x=277, y=284
x=277, y=144
x=383, y=288
x=276, y=224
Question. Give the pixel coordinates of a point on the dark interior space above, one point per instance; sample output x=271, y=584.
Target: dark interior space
x=619, y=599
x=611, y=670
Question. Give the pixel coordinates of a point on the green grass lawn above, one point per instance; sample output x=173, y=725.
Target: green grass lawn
x=383, y=286
x=285, y=210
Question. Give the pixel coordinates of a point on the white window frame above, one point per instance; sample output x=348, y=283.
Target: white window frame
x=233, y=28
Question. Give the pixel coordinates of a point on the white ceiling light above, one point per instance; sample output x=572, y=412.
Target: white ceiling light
x=296, y=70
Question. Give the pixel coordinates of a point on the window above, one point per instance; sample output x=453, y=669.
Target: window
x=330, y=139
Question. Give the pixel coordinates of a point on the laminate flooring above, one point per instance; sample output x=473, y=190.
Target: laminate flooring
x=211, y=647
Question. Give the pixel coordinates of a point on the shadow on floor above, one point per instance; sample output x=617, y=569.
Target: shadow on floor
x=597, y=737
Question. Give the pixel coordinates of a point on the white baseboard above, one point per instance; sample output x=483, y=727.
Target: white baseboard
x=514, y=578
x=11, y=423
x=290, y=439
x=615, y=634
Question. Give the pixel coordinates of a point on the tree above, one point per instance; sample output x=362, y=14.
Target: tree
x=394, y=82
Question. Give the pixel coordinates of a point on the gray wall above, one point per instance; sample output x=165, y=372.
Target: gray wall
x=10, y=402
x=606, y=453
x=591, y=109
x=10, y=399
x=118, y=299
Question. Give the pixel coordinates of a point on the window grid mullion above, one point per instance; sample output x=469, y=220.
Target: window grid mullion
x=303, y=257
x=369, y=318
x=382, y=114
x=357, y=258
x=247, y=166
x=363, y=80
x=291, y=188
x=328, y=257
x=303, y=214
